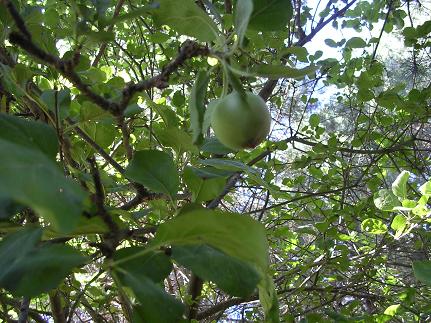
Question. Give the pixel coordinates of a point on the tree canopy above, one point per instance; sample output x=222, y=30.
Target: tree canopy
x=119, y=204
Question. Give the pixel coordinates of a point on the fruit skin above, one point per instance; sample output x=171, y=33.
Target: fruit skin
x=240, y=123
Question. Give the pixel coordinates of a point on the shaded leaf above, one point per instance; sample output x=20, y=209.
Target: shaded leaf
x=31, y=178
x=156, y=170
x=236, y=235
x=232, y=275
x=31, y=134
x=422, y=271
x=270, y=15
x=153, y=265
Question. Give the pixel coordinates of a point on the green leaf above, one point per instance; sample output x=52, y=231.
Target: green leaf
x=156, y=304
x=425, y=189
x=373, y=226
x=236, y=235
x=208, y=115
x=156, y=170
x=31, y=178
x=385, y=200
x=153, y=265
x=14, y=247
x=279, y=71
x=214, y=146
x=203, y=189
x=234, y=165
x=63, y=102
x=356, y=42
x=399, y=222
x=392, y=310
x=45, y=268
x=135, y=13
x=399, y=186
x=270, y=15
x=31, y=134
x=244, y=9
x=314, y=120
x=235, y=277
x=187, y=19
x=196, y=105
x=176, y=138
x=28, y=270
x=331, y=43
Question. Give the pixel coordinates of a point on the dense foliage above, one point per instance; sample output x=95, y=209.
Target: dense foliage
x=118, y=203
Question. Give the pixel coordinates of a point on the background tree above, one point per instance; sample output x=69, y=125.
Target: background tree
x=117, y=202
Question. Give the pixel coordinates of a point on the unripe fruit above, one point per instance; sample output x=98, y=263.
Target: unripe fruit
x=241, y=122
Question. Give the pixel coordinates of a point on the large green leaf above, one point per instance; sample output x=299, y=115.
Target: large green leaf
x=29, y=270
x=236, y=235
x=14, y=247
x=186, y=18
x=156, y=170
x=197, y=107
x=31, y=134
x=270, y=15
x=232, y=275
x=31, y=178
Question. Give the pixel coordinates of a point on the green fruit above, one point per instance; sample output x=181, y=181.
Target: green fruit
x=241, y=122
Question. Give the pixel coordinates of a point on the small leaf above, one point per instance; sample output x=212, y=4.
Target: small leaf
x=270, y=15
x=187, y=19
x=232, y=275
x=373, y=226
x=156, y=170
x=422, y=271
x=399, y=222
x=314, y=120
x=196, y=105
x=135, y=13
x=331, y=43
x=243, y=11
x=356, y=42
x=399, y=186
x=385, y=200
x=279, y=71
